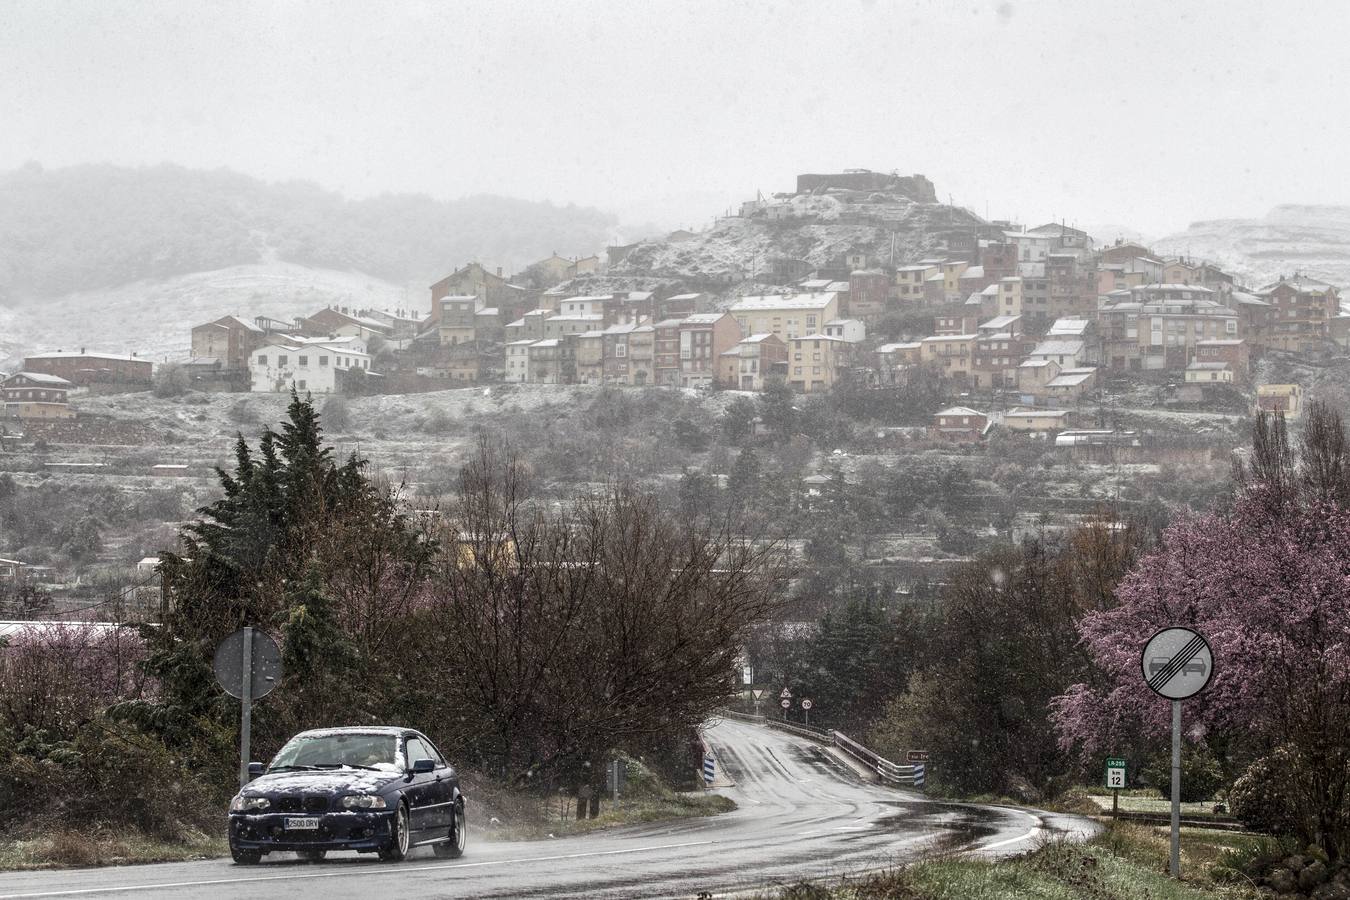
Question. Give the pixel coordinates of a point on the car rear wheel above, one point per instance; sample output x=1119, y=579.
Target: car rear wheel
x=246, y=857
x=311, y=855
x=459, y=833
x=398, y=844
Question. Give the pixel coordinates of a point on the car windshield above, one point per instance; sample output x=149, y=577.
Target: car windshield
x=376, y=751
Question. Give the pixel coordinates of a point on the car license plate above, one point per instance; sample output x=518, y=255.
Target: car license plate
x=309, y=823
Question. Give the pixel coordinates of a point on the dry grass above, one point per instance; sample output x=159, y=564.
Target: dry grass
x=79, y=849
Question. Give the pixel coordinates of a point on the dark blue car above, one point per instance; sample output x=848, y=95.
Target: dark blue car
x=373, y=790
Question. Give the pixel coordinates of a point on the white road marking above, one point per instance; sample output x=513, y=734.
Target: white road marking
x=372, y=870
x=1030, y=834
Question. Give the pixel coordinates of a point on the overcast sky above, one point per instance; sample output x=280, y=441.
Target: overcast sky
x=1148, y=114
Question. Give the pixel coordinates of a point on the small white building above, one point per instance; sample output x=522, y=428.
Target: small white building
x=517, y=368
x=851, y=330
x=1209, y=373
x=312, y=365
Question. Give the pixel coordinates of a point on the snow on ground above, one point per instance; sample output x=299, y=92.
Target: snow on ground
x=1311, y=239
x=155, y=318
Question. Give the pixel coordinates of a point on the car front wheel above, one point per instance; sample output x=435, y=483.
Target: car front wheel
x=398, y=844
x=246, y=857
x=459, y=833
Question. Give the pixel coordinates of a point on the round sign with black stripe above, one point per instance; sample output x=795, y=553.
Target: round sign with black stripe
x=1177, y=663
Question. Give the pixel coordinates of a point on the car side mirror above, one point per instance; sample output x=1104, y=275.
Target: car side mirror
x=423, y=766
x=255, y=769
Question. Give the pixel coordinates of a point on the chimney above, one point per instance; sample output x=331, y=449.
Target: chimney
x=82, y=349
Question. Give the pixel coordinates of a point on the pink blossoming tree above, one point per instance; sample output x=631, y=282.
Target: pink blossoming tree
x=1268, y=583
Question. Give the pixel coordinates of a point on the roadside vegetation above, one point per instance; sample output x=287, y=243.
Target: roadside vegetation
x=1124, y=863
x=531, y=640
x=1021, y=675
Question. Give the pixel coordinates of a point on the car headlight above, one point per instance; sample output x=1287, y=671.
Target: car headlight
x=363, y=801
x=240, y=803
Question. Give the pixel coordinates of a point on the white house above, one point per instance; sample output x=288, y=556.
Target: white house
x=517, y=367
x=313, y=365
x=851, y=330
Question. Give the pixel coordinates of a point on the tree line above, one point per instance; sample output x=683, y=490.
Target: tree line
x=529, y=637
x=1023, y=673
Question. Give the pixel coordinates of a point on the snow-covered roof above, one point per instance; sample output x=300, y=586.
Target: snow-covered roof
x=1172, y=286
x=61, y=354
x=545, y=344
x=958, y=411
x=1301, y=283
x=42, y=378
x=895, y=348
x=702, y=318
x=1207, y=367
x=820, y=337
x=684, y=297
x=757, y=338
x=1058, y=348
x=1067, y=326
x=1219, y=342
x=785, y=301
x=999, y=323
x=1067, y=379
x=1036, y=414
x=973, y=272
x=949, y=337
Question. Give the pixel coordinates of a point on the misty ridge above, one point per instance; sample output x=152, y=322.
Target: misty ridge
x=99, y=226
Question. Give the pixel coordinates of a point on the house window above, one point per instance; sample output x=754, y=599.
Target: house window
x=262, y=359
x=799, y=370
x=620, y=350
x=302, y=383
x=281, y=360
x=304, y=360
x=323, y=360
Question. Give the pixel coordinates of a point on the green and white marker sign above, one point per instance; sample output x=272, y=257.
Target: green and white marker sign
x=1115, y=773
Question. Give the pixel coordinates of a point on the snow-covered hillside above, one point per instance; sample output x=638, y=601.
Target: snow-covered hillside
x=1310, y=239
x=154, y=318
x=817, y=228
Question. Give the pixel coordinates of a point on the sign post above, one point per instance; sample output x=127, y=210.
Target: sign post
x=786, y=701
x=757, y=694
x=806, y=708
x=709, y=770
x=1115, y=780
x=1177, y=663
x=248, y=666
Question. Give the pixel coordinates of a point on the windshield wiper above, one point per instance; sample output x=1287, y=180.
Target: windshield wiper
x=289, y=768
x=348, y=765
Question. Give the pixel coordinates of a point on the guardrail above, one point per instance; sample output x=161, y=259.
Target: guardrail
x=806, y=731
x=740, y=716
x=887, y=772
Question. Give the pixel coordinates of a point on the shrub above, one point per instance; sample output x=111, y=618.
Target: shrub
x=171, y=380
x=242, y=413
x=1262, y=798
x=1201, y=776
x=335, y=416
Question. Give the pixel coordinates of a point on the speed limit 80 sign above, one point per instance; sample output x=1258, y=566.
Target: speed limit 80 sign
x=1115, y=773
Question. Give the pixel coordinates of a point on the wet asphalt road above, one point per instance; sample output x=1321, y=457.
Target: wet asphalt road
x=803, y=814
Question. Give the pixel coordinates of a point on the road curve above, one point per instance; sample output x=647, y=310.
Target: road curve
x=802, y=814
